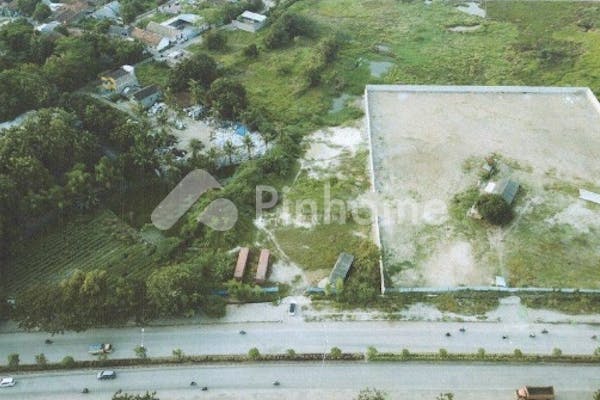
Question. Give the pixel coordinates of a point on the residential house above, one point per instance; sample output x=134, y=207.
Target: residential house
x=150, y=39
x=119, y=79
x=146, y=97
x=73, y=12
x=169, y=32
x=111, y=11
x=249, y=21
x=188, y=25
x=48, y=27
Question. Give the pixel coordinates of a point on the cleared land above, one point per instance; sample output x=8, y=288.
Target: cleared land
x=428, y=144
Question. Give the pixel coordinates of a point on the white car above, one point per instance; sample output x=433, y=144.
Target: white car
x=7, y=382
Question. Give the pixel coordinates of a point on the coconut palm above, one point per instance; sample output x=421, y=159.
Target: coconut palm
x=229, y=150
x=249, y=143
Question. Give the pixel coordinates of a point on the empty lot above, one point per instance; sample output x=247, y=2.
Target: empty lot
x=427, y=143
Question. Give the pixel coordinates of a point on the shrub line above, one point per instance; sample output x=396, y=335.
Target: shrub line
x=373, y=356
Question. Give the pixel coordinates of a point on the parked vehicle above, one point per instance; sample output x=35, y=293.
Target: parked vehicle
x=7, y=381
x=100, y=348
x=535, y=393
x=103, y=375
x=292, y=309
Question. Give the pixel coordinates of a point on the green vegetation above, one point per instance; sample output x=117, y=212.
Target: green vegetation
x=494, y=209
x=570, y=303
x=85, y=243
x=153, y=73
x=119, y=395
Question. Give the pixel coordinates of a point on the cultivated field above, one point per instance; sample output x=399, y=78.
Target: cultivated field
x=101, y=241
x=428, y=145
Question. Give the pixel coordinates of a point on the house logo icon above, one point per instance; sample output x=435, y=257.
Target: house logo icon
x=220, y=214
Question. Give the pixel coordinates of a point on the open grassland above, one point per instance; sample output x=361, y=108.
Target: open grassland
x=101, y=241
x=519, y=43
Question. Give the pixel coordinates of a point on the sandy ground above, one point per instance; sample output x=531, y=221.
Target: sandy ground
x=421, y=140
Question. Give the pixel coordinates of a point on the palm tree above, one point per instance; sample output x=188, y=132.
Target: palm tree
x=249, y=143
x=229, y=150
x=196, y=146
x=211, y=156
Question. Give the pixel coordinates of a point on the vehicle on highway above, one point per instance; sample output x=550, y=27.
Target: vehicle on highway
x=7, y=381
x=48, y=341
x=100, y=348
x=535, y=393
x=276, y=383
x=103, y=375
x=292, y=310
x=242, y=332
x=85, y=390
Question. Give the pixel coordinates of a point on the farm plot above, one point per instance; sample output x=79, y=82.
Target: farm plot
x=101, y=241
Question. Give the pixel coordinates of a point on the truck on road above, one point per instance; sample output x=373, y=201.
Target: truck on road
x=100, y=348
x=535, y=393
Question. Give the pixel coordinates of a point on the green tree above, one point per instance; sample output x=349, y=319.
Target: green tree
x=249, y=144
x=556, y=352
x=371, y=394
x=481, y=352
x=445, y=396
x=250, y=51
x=13, y=360
x=215, y=40
x=371, y=353
x=405, y=354
x=227, y=98
x=201, y=68
x=291, y=353
x=27, y=7
x=40, y=359
x=518, y=353
x=335, y=353
x=68, y=362
x=179, y=355
x=41, y=12
x=229, y=150
x=173, y=290
x=253, y=354
x=596, y=395
x=140, y=352
x=494, y=209
x=443, y=353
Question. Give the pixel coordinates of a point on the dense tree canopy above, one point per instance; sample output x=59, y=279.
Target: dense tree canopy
x=227, y=98
x=201, y=68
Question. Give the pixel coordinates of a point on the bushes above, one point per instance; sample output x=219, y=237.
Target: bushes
x=286, y=28
x=250, y=51
x=40, y=360
x=13, y=360
x=494, y=209
x=68, y=362
x=215, y=40
x=335, y=353
x=253, y=354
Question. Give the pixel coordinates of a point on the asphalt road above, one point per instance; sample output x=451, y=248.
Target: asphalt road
x=329, y=380
x=276, y=337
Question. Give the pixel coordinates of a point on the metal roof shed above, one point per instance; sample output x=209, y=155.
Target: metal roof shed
x=240, y=267
x=263, y=264
x=341, y=267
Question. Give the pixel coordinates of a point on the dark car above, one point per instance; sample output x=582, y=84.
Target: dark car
x=102, y=375
x=292, y=309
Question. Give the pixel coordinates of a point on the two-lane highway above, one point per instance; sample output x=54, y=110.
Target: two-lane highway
x=328, y=380
x=309, y=337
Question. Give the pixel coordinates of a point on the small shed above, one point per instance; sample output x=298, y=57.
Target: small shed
x=249, y=21
x=240, y=266
x=263, y=265
x=341, y=268
x=507, y=188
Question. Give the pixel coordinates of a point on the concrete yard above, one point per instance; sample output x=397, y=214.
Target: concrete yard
x=424, y=137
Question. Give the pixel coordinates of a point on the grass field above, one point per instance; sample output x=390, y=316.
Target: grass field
x=98, y=242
